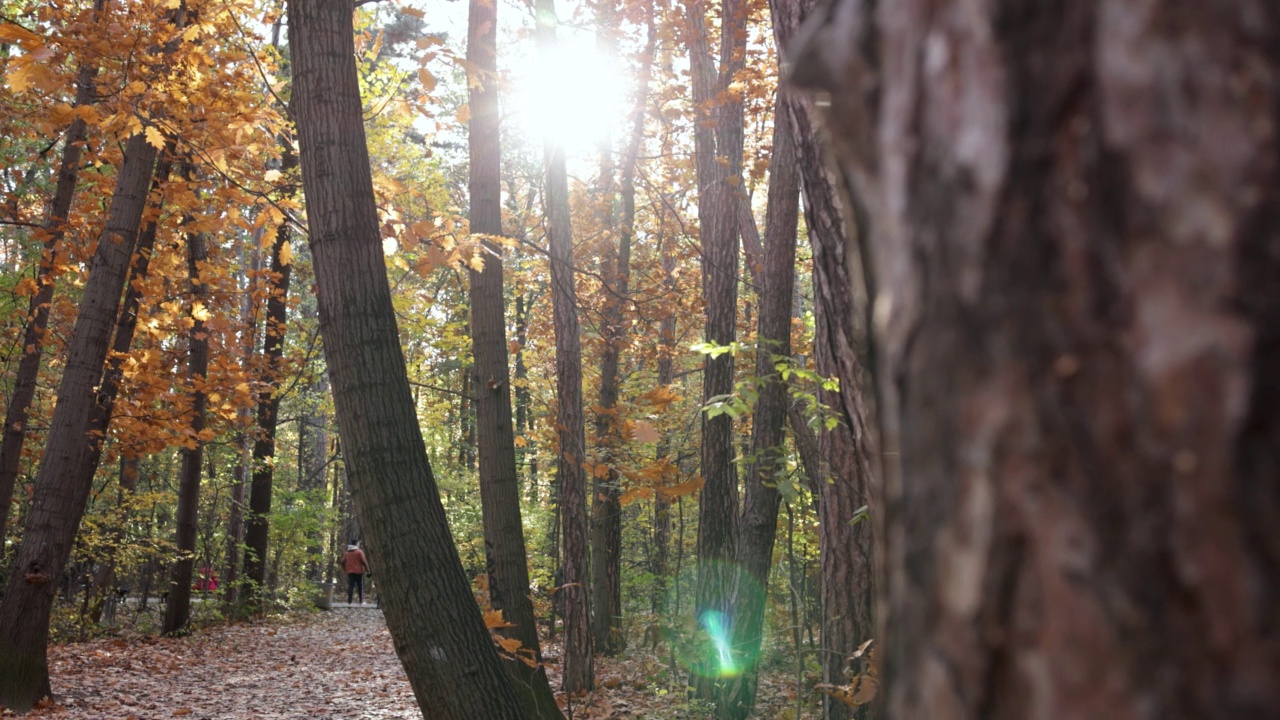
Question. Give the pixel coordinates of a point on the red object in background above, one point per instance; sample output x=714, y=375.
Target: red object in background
x=207, y=580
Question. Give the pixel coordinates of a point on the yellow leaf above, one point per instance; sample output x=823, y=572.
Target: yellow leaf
x=635, y=494
x=25, y=286
x=464, y=114
x=137, y=87
x=511, y=645
x=17, y=33
x=476, y=262
x=271, y=176
x=521, y=441
x=28, y=73
x=199, y=311
x=286, y=254
x=155, y=138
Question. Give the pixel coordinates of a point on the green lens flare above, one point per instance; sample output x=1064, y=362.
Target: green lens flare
x=717, y=627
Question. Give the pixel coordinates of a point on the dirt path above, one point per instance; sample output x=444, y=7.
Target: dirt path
x=339, y=664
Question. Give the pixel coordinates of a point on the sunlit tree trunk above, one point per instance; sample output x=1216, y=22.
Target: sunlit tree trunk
x=257, y=520
x=178, y=605
x=439, y=634
x=506, y=561
x=757, y=528
x=574, y=591
x=61, y=492
x=24, y=385
x=718, y=142
x=244, y=455
x=1072, y=214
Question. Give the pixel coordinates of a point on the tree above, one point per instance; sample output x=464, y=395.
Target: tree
x=178, y=607
x=24, y=387
x=758, y=525
x=718, y=142
x=440, y=636
x=506, y=561
x=60, y=489
x=579, y=674
x=1077, y=348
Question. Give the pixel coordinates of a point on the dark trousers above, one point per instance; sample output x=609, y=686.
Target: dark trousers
x=355, y=581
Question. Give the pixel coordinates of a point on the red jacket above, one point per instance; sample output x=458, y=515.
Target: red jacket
x=354, y=562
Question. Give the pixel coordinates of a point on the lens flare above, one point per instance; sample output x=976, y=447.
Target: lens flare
x=717, y=626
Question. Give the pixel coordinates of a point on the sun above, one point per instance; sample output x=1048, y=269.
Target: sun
x=572, y=94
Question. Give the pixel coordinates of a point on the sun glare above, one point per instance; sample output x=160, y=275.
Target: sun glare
x=572, y=95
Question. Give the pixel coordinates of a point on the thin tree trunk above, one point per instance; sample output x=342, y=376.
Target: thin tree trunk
x=506, y=559
x=257, y=521
x=61, y=492
x=244, y=454
x=104, y=579
x=440, y=636
x=579, y=674
x=757, y=529
x=178, y=608
x=24, y=384
x=1077, y=349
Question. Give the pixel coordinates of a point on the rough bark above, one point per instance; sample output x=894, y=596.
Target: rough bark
x=178, y=606
x=506, y=560
x=439, y=634
x=718, y=161
x=61, y=492
x=257, y=519
x=574, y=591
x=1073, y=216
x=14, y=433
x=757, y=528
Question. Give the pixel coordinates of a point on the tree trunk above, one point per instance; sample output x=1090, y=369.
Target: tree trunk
x=61, y=492
x=24, y=385
x=506, y=559
x=718, y=160
x=1073, y=217
x=104, y=580
x=439, y=634
x=178, y=608
x=244, y=455
x=758, y=526
x=257, y=520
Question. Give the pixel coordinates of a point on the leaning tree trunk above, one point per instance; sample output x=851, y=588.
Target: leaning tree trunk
x=507, y=564
x=257, y=519
x=178, y=606
x=1073, y=214
x=573, y=592
x=441, y=639
x=757, y=528
x=61, y=493
x=14, y=433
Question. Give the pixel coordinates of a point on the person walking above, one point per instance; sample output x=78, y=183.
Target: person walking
x=355, y=565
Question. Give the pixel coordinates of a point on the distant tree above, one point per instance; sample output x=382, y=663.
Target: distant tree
x=441, y=639
x=1068, y=219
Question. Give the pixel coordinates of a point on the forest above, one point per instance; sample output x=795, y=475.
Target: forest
x=712, y=359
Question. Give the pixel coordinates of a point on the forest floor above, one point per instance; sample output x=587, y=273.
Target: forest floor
x=327, y=666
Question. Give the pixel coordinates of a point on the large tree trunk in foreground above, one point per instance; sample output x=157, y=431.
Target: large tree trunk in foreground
x=14, y=432
x=61, y=492
x=439, y=634
x=573, y=592
x=758, y=526
x=507, y=564
x=1075, y=224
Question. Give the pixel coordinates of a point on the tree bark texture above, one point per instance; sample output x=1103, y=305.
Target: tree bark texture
x=439, y=634
x=507, y=563
x=178, y=607
x=574, y=591
x=257, y=520
x=757, y=528
x=14, y=433
x=718, y=162
x=1075, y=224
x=61, y=492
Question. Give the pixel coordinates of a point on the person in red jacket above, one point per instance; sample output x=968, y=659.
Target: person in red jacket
x=355, y=565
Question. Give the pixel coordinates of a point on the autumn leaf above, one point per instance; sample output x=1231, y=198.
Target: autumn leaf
x=642, y=431
x=493, y=619
x=427, y=79
x=286, y=254
x=415, y=12
x=155, y=138
x=464, y=113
